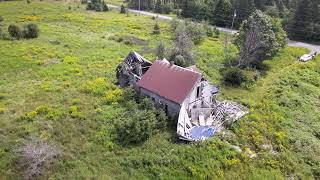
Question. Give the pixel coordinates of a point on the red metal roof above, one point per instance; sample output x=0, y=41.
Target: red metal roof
x=169, y=81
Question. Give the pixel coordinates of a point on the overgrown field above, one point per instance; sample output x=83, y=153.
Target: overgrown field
x=60, y=88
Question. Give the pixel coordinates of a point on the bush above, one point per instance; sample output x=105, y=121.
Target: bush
x=167, y=8
x=234, y=77
x=216, y=32
x=156, y=28
x=90, y=6
x=14, y=31
x=128, y=42
x=122, y=9
x=35, y=155
x=196, y=33
x=140, y=122
x=180, y=61
x=174, y=23
x=105, y=7
x=30, y=31
x=209, y=31
x=1, y=18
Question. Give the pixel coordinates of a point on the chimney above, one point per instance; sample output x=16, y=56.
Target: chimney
x=171, y=63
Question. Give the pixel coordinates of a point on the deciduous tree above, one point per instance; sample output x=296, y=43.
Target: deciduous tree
x=260, y=36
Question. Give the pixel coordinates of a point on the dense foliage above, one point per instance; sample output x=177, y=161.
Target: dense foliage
x=305, y=24
x=259, y=37
x=97, y=5
x=140, y=122
x=234, y=77
x=15, y=31
x=30, y=31
x=299, y=17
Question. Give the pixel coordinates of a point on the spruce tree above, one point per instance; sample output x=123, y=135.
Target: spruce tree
x=301, y=27
x=122, y=9
x=222, y=14
x=244, y=9
x=157, y=7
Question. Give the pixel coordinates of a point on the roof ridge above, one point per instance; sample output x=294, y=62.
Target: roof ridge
x=183, y=68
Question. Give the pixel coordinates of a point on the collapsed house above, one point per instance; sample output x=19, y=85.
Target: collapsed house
x=183, y=93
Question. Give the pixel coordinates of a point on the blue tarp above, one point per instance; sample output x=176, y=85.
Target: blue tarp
x=198, y=133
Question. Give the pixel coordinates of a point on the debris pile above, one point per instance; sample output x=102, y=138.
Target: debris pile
x=220, y=116
x=226, y=113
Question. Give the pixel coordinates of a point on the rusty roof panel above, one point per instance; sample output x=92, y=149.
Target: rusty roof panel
x=169, y=81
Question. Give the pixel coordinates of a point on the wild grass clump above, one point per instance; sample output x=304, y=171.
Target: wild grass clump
x=114, y=96
x=2, y=110
x=43, y=112
x=74, y=112
x=96, y=87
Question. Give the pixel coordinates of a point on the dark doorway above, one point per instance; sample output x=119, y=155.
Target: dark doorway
x=166, y=109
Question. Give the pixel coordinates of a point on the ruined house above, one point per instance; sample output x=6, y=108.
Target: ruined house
x=183, y=93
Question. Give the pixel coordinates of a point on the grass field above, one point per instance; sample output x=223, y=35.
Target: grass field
x=54, y=87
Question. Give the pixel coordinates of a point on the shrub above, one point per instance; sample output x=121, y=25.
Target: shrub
x=28, y=1
x=209, y=31
x=234, y=77
x=114, y=96
x=30, y=31
x=216, y=32
x=105, y=7
x=156, y=28
x=95, y=87
x=139, y=125
x=136, y=127
x=128, y=42
x=1, y=18
x=140, y=121
x=14, y=31
x=122, y=9
x=196, y=33
x=90, y=6
x=180, y=61
x=167, y=8
x=174, y=23
x=35, y=155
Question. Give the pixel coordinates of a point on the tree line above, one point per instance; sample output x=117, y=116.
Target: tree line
x=300, y=18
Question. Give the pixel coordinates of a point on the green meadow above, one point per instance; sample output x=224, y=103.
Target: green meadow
x=60, y=87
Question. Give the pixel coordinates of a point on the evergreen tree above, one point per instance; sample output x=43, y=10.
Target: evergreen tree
x=244, y=9
x=223, y=13
x=157, y=7
x=156, y=28
x=301, y=27
x=122, y=9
